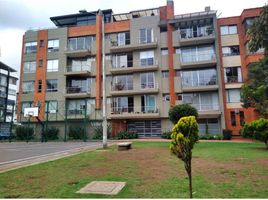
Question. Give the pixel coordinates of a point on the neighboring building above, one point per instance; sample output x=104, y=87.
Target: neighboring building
x=235, y=60
x=153, y=60
x=8, y=91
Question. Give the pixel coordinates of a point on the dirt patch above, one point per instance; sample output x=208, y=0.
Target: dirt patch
x=94, y=171
x=262, y=161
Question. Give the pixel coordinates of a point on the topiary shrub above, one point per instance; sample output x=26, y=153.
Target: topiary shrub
x=166, y=134
x=126, y=135
x=76, y=133
x=52, y=133
x=257, y=129
x=22, y=132
x=182, y=110
x=227, y=134
x=184, y=136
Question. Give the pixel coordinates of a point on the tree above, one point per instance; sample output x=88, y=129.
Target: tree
x=254, y=92
x=179, y=111
x=257, y=129
x=184, y=136
x=258, y=32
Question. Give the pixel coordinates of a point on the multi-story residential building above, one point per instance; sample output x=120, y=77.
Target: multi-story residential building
x=8, y=93
x=153, y=60
x=235, y=60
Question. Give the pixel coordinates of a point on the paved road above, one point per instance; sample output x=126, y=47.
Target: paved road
x=17, y=154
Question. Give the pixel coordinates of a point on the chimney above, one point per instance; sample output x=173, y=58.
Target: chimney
x=207, y=8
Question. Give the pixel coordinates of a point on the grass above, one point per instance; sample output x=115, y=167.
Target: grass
x=220, y=170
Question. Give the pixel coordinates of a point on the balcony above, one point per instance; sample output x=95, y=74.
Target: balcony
x=201, y=60
x=77, y=92
x=77, y=52
x=141, y=66
x=207, y=110
x=138, y=44
x=187, y=38
x=78, y=71
x=144, y=112
x=206, y=84
x=76, y=114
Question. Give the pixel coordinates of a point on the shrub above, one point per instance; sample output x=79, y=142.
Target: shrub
x=179, y=111
x=257, y=129
x=76, y=133
x=98, y=133
x=52, y=133
x=227, y=134
x=211, y=137
x=126, y=135
x=22, y=132
x=166, y=134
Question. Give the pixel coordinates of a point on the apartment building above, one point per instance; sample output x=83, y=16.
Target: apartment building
x=235, y=59
x=153, y=60
x=8, y=93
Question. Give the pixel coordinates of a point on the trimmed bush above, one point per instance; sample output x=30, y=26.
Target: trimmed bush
x=76, y=133
x=257, y=129
x=166, y=134
x=52, y=133
x=126, y=135
x=182, y=110
x=227, y=134
x=22, y=132
x=211, y=137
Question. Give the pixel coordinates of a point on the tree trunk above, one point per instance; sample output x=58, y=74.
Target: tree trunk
x=190, y=179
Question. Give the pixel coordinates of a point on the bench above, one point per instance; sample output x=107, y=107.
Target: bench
x=124, y=146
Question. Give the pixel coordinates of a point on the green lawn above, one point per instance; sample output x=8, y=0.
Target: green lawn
x=220, y=170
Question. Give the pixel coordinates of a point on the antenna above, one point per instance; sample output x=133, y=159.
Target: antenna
x=219, y=14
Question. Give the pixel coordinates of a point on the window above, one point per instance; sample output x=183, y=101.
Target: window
x=165, y=74
x=147, y=80
x=164, y=51
x=178, y=96
x=227, y=30
x=193, y=31
x=232, y=74
x=230, y=51
x=39, y=86
x=80, y=64
x=123, y=104
x=78, y=85
x=177, y=73
x=80, y=43
x=166, y=97
x=197, y=54
x=233, y=121
x=52, y=85
x=13, y=81
x=147, y=58
x=146, y=35
x=122, y=60
x=233, y=95
x=78, y=107
x=124, y=82
x=26, y=105
x=41, y=43
x=52, y=65
x=123, y=39
x=27, y=86
x=29, y=67
x=30, y=47
x=249, y=22
x=40, y=63
x=3, y=80
x=51, y=106
x=242, y=118
x=53, y=45
x=12, y=92
x=148, y=103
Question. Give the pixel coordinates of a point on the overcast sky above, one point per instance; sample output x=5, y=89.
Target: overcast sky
x=17, y=16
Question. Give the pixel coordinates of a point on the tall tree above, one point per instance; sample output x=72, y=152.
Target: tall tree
x=258, y=32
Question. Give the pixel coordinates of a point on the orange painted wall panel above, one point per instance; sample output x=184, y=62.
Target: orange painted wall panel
x=81, y=31
x=98, y=60
x=117, y=26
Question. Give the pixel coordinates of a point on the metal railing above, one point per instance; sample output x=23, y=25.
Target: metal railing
x=77, y=89
x=206, y=107
x=130, y=63
x=150, y=85
x=232, y=79
x=78, y=68
x=198, y=58
x=122, y=86
x=190, y=33
x=134, y=109
x=200, y=82
x=116, y=43
x=144, y=40
x=72, y=48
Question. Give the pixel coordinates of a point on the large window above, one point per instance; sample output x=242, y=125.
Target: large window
x=233, y=95
x=78, y=107
x=122, y=61
x=123, y=39
x=80, y=64
x=51, y=106
x=123, y=104
x=148, y=103
x=53, y=45
x=249, y=22
x=52, y=85
x=147, y=80
x=227, y=30
x=3, y=80
x=197, y=54
x=230, y=51
x=146, y=35
x=124, y=82
x=78, y=85
x=211, y=126
x=30, y=47
x=52, y=65
x=27, y=86
x=80, y=43
x=147, y=58
x=196, y=31
x=29, y=67
x=205, y=101
x=232, y=74
x=199, y=78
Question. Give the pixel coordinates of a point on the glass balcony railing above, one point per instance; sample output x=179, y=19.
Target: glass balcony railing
x=78, y=68
x=122, y=86
x=201, y=32
x=77, y=89
x=197, y=58
x=149, y=85
x=200, y=82
x=136, y=109
x=206, y=107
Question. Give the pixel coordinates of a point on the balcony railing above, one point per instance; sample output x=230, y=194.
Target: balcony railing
x=130, y=63
x=136, y=109
x=233, y=79
x=77, y=89
x=78, y=68
x=143, y=40
x=72, y=48
x=196, y=83
x=121, y=86
x=75, y=112
x=116, y=43
x=189, y=34
x=150, y=85
x=206, y=107
x=198, y=58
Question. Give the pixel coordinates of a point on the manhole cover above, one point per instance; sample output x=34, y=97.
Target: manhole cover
x=103, y=187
